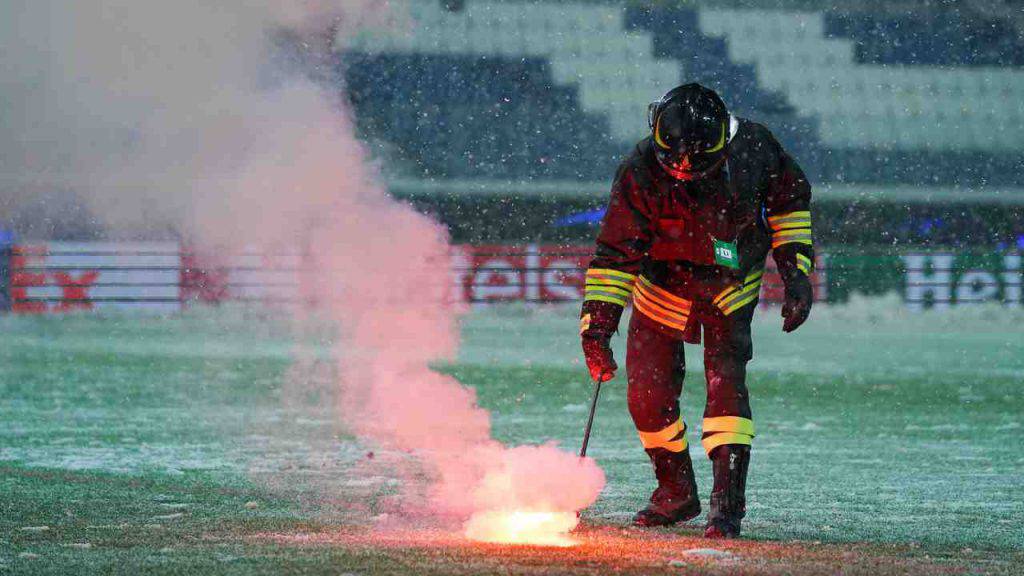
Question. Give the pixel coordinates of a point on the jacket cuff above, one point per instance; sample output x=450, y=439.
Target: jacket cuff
x=791, y=228
x=608, y=285
x=599, y=319
x=794, y=259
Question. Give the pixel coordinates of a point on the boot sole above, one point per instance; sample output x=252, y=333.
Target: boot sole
x=661, y=520
x=714, y=532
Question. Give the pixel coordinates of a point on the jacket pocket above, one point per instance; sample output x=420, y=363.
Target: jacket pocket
x=681, y=239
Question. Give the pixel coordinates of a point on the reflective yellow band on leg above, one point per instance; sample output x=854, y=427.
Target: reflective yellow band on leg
x=721, y=438
x=676, y=445
x=729, y=424
x=666, y=437
x=654, y=439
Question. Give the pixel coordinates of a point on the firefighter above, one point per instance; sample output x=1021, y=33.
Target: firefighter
x=694, y=211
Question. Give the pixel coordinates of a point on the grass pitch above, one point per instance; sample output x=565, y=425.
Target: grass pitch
x=207, y=443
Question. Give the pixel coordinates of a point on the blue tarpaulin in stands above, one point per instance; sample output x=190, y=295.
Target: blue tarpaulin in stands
x=588, y=217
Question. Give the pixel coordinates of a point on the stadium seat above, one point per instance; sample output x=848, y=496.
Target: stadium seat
x=832, y=85
x=905, y=96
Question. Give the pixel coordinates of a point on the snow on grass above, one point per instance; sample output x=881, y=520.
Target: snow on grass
x=865, y=335
x=874, y=423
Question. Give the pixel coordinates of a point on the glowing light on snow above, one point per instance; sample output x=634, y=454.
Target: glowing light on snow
x=522, y=527
x=530, y=495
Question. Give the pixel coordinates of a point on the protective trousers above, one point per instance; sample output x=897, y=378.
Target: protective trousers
x=656, y=366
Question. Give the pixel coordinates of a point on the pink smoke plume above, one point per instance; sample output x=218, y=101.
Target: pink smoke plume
x=388, y=282
x=173, y=115
x=388, y=285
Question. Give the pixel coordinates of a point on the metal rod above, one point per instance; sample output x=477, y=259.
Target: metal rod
x=590, y=419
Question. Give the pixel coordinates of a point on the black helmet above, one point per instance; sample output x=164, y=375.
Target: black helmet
x=690, y=128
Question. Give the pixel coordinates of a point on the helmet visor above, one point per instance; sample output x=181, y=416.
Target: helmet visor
x=691, y=160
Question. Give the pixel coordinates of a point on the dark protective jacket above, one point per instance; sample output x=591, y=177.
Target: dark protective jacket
x=679, y=247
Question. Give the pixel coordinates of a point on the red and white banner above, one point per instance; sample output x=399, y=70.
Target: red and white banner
x=162, y=277
x=64, y=276
x=551, y=273
x=271, y=276
x=500, y=273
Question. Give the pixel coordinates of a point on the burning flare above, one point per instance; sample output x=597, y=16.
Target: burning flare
x=530, y=495
x=522, y=527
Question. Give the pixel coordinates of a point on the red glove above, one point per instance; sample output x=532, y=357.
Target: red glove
x=598, y=352
x=598, y=321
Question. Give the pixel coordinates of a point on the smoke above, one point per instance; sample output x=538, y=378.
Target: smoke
x=171, y=114
x=189, y=115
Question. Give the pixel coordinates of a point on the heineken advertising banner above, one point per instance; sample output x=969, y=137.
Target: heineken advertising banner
x=940, y=280
x=58, y=277
x=925, y=280
x=552, y=273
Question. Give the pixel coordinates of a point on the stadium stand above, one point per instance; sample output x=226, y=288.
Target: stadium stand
x=525, y=93
x=496, y=117
x=558, y=90
x=863, y=105
x=938, y=39
x=586, y=46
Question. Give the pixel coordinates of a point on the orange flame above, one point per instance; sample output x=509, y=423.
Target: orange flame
x=539, y=528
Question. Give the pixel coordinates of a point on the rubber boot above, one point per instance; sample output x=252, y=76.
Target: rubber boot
x=675, y=499
x=728, y=499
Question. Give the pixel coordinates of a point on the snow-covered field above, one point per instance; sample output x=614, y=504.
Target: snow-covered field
x=865, y=335
x=874, y=424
